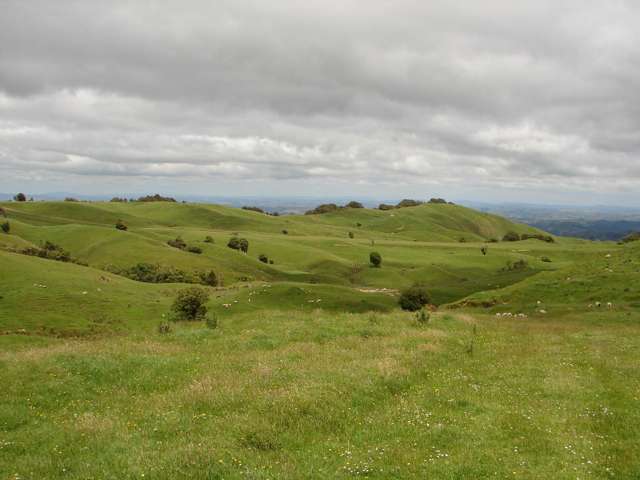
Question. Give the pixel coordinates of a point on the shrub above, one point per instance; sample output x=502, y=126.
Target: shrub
x=50, y=251
x=164, y=328
x=156, y=198
x=190, y=304
x=285, y=232
x=6, y=228
x=324, y=208
x=385, y=206
x=120, y=225
x=437, y=200
x=414, y=298
x=511, y=237
x=209, y=278
x=177, y=243
x=208, y=239
x=263, y=258
x=407, y=202
x=194, y=249
x=546, y=259
x=20, y=197
x=484, y=250
x=154, y=273
x=253, y=209
x=237, y=243
x=632, y=237
x=70, y=199
x=516, y=266
x=211, y=321
x=353, y=204
x=351, y=235
x=462, y=240
x=375, y=259
x=119, y=200
x=422, y=316
x=537, y=236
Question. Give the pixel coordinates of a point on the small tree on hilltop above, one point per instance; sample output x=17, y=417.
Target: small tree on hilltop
x=511, y=237
x=6, y=228
x=120, y=225
x=190, y=304
x=20, y=197
x=237, y=243
x=354, y=204
x=376, y=259
x=414, y=298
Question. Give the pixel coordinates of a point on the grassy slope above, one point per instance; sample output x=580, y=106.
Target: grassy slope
x=292, y=387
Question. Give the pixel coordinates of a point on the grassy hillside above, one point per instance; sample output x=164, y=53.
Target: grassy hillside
x=313, y=370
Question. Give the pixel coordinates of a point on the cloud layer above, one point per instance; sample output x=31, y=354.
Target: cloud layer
x=446, y=95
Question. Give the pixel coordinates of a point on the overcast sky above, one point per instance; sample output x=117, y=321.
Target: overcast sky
x=485, y=100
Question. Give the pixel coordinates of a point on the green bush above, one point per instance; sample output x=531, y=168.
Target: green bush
x=407, y=202
x=190, y=304
x=263, y=258
x=208, y=239
x=211, y=321
x=156, y=198
x=164, y=328
x=20, y=197
x=6, y=227
x=177, y=243
x=375, y=259
x=516, y=266
x=209, y=278
x=385, y=206
x=285, y=232
x=120, y=225
x=546, y=259
x=354, y=204
x=324, y=208
x=253, y=209
x=422, y=316
x=511, y=237
x=351, y=235
x=414, y=298
x=484, y=250
x=194, y=249
x=237, y=243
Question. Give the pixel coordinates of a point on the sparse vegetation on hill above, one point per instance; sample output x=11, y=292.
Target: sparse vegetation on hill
x=324, y=208
x=155, y=198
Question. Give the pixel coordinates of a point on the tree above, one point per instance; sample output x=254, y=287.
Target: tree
x=190, y=304
x=120, y=225
x=208, y=239
x=6, y=228
x=354, y=204
x=407, y=202
x=20, y=197
x=414, y=298
x=511, y=237
x=209, y=278
x=237, y=243
x=324, y=208
x=376, y=259
x=351, y=235
x=194, y=249
x=385, y=206
x=263, y=258
x=177, y=243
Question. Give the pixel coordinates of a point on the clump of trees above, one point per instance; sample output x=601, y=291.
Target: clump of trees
x=414, y=298
x=253, y=209
x=156, y=273
x=177, y=243
x=263, y=258
x=438, y=201
x=407, y=202
x=20, y=197
x=632, y=237
x=120, y=225
x=386, y=206
x=324, y=208
x=237, y=243
x=5, y=227
x=375, y=259
x=194, y=249
x=515, y=237
x=119, y=200
x=155, y=198
x=354, y=204
x=516, y=266
x=71, y=199
x=50, y=251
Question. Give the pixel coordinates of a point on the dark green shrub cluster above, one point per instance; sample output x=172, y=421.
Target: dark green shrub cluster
x=155, y=273
x=632, y=237
x=5, y=227
x=237, y=243
x=515, y=237
x=414, y=298
x=155, y=198
x=208, y=239
x=386, y=206
x=375, y=259
x=253, y=209
x=50, y=251
x=20, y=197
x=438, y=201
x=354, y=204
x=407, y=202
x=119, y=200
x=209, y=278
x=194, y=249
x=190, y=304
x=484, y=250
x=263, y=258
x=324, y=208
x=351, y=235
x=71, y=199
x=177, y=243
x=120, y=225
x=285, y=232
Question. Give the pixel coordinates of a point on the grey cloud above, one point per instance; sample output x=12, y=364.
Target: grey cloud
x=408, y=92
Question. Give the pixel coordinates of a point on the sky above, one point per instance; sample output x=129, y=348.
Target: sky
x=534, y=101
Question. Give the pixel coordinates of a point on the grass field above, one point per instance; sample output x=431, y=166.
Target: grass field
x=313, y=371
